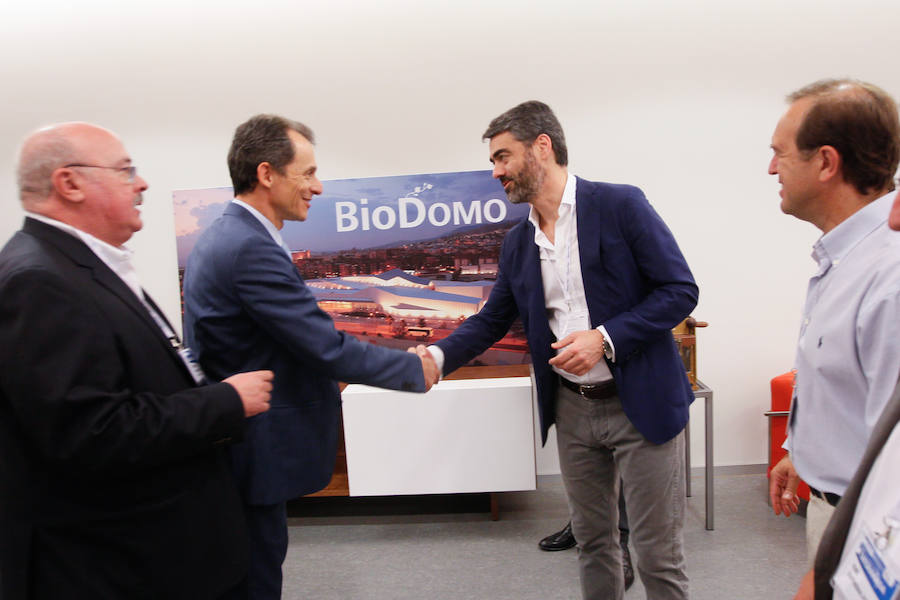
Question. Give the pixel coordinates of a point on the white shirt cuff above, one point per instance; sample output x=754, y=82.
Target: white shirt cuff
x=438, y=356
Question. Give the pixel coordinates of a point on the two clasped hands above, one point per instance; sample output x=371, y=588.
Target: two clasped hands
x=429, y=366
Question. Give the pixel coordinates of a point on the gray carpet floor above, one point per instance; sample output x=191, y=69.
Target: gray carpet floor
x=449, y=548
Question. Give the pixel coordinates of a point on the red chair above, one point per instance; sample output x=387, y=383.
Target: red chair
x=782, y=390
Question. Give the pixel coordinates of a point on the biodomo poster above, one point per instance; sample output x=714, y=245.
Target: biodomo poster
x=396, y=261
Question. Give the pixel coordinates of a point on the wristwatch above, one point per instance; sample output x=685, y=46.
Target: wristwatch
x=607, y=349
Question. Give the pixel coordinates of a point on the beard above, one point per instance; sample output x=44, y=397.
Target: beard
x=527, y=183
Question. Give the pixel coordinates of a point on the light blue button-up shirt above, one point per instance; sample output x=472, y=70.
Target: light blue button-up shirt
x=269, y=225
x=848, y=354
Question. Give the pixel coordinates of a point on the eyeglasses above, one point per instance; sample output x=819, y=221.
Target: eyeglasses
x=131, y=171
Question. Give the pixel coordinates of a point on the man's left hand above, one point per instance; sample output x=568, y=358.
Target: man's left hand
x=583, y=349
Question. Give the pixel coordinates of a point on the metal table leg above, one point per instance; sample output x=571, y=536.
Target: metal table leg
x=706, y=393
x=687, y=459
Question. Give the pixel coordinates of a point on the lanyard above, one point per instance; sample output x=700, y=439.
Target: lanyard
x=184, y=353
x=162, y=324
x=566, y=237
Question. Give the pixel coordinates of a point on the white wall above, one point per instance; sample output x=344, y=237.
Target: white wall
x=678, y=98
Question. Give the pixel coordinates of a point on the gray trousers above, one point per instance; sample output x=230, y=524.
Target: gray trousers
x=598, y=445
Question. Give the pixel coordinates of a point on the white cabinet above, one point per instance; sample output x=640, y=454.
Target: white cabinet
x=471, y=435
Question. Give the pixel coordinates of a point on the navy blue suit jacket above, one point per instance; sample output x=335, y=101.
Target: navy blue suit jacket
x=638, y=286
x=247, y=308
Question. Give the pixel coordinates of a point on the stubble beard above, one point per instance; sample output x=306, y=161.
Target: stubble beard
x=527, y=183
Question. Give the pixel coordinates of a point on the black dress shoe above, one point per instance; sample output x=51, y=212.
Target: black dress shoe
x=561, y=540
x=626, y=563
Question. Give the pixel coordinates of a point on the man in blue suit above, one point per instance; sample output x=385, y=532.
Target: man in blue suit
x=246, y=304
x=598, y=281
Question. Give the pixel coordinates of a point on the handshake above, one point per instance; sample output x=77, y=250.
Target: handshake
x=429, y=366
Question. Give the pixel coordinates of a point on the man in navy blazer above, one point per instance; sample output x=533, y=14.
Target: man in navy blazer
x=246, y=304
x=598, y=281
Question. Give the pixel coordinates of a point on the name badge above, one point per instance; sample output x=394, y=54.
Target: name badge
x=188, y=359
x=867, y=572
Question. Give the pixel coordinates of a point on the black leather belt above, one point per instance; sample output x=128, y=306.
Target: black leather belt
x=828, y=497
x=600, y=391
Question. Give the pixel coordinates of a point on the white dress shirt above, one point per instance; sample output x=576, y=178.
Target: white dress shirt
x=563, y=285
x=117, y=259
x=564, y=297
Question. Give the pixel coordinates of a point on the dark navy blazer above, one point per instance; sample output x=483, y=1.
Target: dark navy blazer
x=247, y=308
x=638, y=286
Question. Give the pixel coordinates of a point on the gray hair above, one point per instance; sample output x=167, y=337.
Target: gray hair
x=526, y=122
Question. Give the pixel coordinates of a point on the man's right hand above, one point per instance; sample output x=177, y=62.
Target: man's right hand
x=783, y=482
x=429, y=367
x=254, y=388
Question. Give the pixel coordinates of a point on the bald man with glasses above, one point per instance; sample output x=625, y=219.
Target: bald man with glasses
x=113, y=482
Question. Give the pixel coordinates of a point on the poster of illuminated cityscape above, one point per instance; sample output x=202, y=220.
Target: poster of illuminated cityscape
x=395, y=261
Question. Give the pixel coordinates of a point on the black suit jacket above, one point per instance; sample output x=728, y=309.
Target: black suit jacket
x=832, y=545
x=113, y=482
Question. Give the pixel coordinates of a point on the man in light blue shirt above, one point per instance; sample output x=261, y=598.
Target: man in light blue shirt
x=836, y=150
